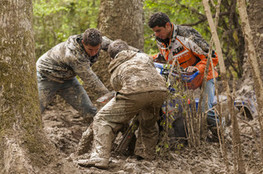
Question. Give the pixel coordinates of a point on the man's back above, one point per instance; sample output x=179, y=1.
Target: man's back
x=136, y=73
x=58, y=63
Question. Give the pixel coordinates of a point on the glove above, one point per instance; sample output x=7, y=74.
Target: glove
x=191, y=69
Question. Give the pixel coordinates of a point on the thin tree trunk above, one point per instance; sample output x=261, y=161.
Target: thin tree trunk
x=254, y=63
x=220, y=126
x=236, y=136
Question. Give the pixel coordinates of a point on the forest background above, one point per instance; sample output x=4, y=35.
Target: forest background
x=24, y=146
x=56, y=20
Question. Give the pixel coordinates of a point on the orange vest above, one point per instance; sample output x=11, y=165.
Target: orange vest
x=187, y=57
x=184, y=56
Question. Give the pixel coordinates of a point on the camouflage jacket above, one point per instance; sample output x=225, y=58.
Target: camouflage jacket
x=193, y=35
x=68, y=59
x=133, y=72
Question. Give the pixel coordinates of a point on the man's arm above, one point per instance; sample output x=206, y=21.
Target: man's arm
x=198, y=52
x=84, y=71
x=193, y=35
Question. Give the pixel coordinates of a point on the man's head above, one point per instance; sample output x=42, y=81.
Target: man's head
x=117, y=46
x=92, y=41
x=160, y=23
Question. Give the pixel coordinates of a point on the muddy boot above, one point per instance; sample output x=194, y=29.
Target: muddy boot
x=85, y=142
x=214, y=136
x=100, y=163
x=142, y=154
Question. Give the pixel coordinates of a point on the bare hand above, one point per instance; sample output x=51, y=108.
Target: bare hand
x=191, y=69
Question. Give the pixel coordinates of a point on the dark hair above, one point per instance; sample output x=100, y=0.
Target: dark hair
x=92, y=37
x=158, y=19
x=117, y=46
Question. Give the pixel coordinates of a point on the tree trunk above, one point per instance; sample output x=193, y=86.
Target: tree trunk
x=254, y=62
x=119, y=20
x=23, y=145
x=122, y=20
x=255, y=16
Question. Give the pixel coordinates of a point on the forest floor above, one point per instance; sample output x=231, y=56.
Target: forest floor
x=64, y=128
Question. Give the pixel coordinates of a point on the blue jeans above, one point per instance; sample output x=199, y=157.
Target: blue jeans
x=71, y=90
x=209, y=94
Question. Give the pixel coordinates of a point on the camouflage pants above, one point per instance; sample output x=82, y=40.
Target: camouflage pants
x=71, y=90
x=120, y=110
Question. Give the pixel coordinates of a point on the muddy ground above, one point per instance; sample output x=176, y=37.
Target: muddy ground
x=64, y=128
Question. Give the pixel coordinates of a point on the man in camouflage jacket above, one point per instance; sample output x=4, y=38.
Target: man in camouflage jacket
x=141, y=90
x=58, y=67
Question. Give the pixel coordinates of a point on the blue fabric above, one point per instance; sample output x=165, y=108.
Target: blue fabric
x=209, y=93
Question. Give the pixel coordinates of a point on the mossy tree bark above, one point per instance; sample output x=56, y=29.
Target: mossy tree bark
x=236, y=133
x=23, y=145
x=122, y=20
x=255, y=16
